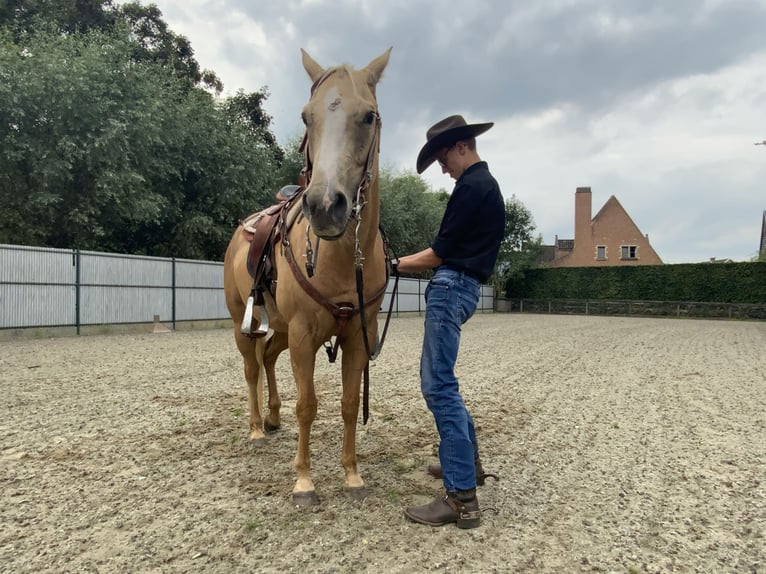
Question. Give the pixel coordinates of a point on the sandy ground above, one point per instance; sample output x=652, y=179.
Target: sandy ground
x=623, y=445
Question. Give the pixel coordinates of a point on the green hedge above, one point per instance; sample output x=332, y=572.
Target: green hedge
x=705, y=282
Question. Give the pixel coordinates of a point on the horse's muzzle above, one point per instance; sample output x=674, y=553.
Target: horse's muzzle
x=327, y=212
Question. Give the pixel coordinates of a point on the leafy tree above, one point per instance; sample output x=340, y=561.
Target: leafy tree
x=247, y=110
x=71, y=106
x=155, y=42
x=519, y=248
x=225, y=175
x=410, y=211
x=21, y=17
x=100, y=152
x=292, y=162
x=152, y=40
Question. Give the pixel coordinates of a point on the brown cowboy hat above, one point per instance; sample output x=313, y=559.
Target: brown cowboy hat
x=445, y=133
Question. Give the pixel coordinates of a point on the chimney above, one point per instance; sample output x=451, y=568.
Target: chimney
x=583, y=205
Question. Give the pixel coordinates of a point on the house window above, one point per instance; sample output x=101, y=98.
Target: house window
x=629, y=252
x=601, y=252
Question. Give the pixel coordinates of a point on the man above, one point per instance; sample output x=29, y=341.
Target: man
x=462, y=257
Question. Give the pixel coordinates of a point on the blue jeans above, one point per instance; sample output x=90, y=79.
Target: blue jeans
x=451, y=299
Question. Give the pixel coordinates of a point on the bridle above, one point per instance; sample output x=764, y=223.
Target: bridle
x=343, y=311
x=372, y=153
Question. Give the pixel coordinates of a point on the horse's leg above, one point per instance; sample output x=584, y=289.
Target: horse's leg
x=274, y=346
x=252, y=354
x=302, y=358
x=354, y=361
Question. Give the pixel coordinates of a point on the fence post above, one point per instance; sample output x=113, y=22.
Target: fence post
x=397, y=299
x=173, y=291
x=77, y=279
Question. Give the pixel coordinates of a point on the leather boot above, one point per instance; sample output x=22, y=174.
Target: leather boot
x=460, y=507
x=435, y=470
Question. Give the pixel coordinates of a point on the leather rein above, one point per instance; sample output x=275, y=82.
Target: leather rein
x=344, y=311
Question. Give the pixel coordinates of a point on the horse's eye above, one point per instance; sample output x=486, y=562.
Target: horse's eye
x=369, y=119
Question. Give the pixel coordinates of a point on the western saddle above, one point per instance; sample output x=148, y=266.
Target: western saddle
x=263, y=230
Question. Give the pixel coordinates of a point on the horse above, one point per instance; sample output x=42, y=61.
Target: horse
x=334, y=224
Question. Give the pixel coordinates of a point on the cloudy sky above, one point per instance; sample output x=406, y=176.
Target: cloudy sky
x=657, y=102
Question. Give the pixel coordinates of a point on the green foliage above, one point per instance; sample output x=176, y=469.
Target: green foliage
x=410, y=212
x=247, y=110
x=62, y=16
x=101, y=151
x=151, y=39
x=702, y=282
x=519, y=248
x=70, y=106
x=154, y=42
x=291, y=164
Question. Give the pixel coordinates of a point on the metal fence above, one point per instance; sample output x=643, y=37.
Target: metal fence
x=690, y=309
x=42, y=287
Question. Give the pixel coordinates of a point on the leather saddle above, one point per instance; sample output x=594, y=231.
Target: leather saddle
x=262, y=230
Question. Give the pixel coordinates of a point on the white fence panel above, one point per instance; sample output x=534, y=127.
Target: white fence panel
x=42, y=287
x=37, y=286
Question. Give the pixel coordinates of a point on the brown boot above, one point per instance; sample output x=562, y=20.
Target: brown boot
x=435, y=470
x=459, y=507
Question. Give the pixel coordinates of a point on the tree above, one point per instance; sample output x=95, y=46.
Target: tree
x=152, y=39
x=155, y=42
x=225, y=174
x=247, y=110
x=71, y=106
x=410, y=211
x=292, y=162
x=519, y=247
x=22, y=17
x=98, y=151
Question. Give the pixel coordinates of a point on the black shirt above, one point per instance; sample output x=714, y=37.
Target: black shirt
x=473, y=225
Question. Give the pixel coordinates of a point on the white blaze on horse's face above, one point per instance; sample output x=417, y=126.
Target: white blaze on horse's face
x=341, y=128
x=329, y=161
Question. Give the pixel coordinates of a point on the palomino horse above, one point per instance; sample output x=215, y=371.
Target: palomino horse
x=310, y=302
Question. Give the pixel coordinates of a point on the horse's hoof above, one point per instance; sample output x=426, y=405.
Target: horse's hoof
x=357, y=494
x=258, y=442
x=270, y=428
x=305, y=499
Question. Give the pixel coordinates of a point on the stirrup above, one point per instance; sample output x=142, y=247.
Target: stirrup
x=263, y=326
x=247, y=321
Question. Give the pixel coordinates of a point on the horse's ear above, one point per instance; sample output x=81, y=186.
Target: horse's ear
x=313, y=69
x=376, y=67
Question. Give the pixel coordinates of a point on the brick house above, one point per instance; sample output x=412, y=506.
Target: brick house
x=609, y=238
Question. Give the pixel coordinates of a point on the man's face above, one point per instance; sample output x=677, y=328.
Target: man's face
x=449, y=160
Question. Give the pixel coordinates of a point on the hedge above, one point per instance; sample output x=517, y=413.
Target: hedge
x=704, y=282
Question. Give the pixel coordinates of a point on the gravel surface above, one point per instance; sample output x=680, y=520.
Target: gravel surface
x=622, y=444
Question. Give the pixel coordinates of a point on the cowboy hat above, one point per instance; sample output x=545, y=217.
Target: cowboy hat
x=445, y=133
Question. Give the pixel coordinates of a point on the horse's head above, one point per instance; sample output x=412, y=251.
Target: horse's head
x=341, y=146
